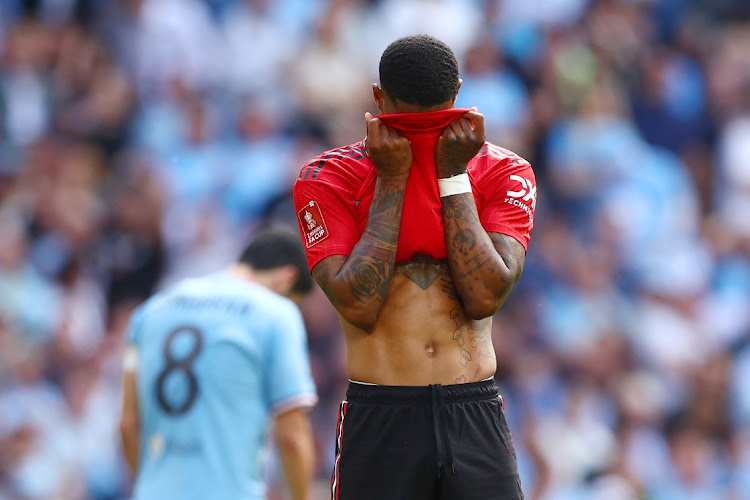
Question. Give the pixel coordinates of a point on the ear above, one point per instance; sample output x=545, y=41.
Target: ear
x=460, y=81
x=377, y=94
x=283, y=279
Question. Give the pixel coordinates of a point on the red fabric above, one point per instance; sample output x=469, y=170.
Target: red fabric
x=422, y=230
x=509, y=207
x=341, y=184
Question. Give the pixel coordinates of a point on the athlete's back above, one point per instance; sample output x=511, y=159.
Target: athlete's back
x=217, y=357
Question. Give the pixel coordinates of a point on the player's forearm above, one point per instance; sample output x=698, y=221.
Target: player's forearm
x=130, y=433
x=359, y=288
x=130, y=423
x=480, y=275
x=297, y=454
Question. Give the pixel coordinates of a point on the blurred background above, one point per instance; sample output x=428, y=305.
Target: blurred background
x=143, y=141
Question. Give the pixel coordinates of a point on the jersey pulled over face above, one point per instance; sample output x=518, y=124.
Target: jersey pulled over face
x=333, y=193
x=217, y=358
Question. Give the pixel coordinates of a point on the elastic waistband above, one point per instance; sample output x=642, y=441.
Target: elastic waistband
x=474, y=391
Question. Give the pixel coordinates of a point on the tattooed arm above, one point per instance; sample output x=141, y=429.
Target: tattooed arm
x=357, y=285
x=484, y=266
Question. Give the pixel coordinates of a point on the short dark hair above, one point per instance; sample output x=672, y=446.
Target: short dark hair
x=419, y=70
x=275, y=247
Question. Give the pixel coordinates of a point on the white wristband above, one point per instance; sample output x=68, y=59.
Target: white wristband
x=130, y=359
x=454, y=185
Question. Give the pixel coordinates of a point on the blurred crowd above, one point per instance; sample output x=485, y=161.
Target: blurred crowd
x=143, y=141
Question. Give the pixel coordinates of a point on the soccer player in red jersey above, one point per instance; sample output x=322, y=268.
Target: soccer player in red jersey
x=416, y=235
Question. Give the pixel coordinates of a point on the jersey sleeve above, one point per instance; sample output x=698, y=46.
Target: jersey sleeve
x=289, y=381
x=132, y=334
x=510, y=207
x=326, y=220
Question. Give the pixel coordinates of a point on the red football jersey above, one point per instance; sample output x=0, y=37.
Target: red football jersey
x=333, y=193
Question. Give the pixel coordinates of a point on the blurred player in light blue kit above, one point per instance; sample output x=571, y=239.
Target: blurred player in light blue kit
x=211, y=364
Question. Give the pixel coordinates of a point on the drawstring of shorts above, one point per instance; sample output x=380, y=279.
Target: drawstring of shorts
x=440, y=427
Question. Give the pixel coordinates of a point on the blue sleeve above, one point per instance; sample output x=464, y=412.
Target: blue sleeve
x=132, y=335
x=288, y=378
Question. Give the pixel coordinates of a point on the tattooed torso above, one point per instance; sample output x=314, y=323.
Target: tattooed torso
x=423, y=334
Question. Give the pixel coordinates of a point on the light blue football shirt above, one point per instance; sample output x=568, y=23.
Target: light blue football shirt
x=218, y=357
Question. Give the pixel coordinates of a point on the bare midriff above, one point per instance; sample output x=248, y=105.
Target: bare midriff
x=422, y=335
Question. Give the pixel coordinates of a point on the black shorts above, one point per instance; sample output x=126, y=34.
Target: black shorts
x=417, y=443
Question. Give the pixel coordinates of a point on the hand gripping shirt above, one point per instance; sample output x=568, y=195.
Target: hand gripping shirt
x=333, y=193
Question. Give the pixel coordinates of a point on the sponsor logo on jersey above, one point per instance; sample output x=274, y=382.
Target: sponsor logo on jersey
x=524, y=197
x=312, y=223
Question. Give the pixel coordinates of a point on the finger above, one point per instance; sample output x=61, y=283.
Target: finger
x=373, y=128
x=455, y=127
x=393, y=135
x=465, y=125
x=396, y=138
x=403, y=140
x=386, y=132
x=477, y=121
x=447, y=134
x=474, y=108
